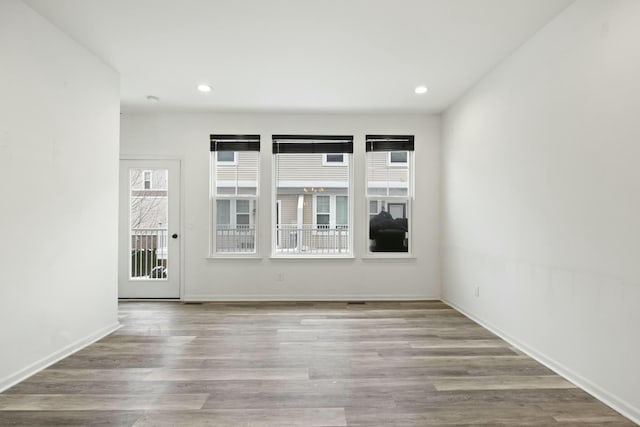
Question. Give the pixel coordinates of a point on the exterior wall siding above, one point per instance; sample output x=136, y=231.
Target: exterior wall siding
x=378, y=169
x=309, y=167
x=288, y=208
x=245, y=169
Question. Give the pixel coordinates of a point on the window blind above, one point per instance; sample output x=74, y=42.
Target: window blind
x=283, y=144
x=390, y=142
x=235, y=142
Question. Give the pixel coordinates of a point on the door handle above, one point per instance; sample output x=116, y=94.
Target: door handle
x=174, y=235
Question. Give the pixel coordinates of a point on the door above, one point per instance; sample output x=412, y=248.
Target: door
x=149, y=227
x=397, y=210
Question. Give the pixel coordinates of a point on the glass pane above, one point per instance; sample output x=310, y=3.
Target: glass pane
x=398, y=156
x=234, y=230
x=323, y=204
x=223, y=212
x=226, y=191
x=388, y=228
x=342, y=210
x=226, y=156
x=148, y=204
x=147, y=180
x=373, y=207
x=304, y=187
x=383, y=177
x=323, y=219
x=397, y=210
x=398, y=191
x=239, y=175
x=247, y=191
x=335, y=158
x=242, y=206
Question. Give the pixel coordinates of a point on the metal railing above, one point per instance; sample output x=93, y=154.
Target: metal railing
x=149, y=253
x=312, y=239
x=235, y=239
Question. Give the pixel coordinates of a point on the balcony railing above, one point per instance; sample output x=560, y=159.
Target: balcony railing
x=235, y=239
x=312, y=239
x=291, y=239
x=149, y=253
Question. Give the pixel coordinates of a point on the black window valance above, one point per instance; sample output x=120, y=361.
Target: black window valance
x=235, y=142
x=390, y=142
x=312, y=144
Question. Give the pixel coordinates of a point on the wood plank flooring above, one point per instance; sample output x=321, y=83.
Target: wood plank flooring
x=299, y=364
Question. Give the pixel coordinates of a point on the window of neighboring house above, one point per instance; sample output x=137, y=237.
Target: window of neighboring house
x=147, y=177
x=398, y=158
x=334, y=159
x=228, y=157
x=234, y=214
x=389, y=192
x=331, y=212
x=312, y=202
x=323, y=211
x=235, y=177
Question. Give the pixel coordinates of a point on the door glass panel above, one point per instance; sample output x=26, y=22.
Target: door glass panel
x=149, y=192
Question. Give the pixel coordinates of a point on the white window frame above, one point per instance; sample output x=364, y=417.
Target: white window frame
x=326, y=162
x=214, y=197
x=227, y=162
x=406, y=198
x=398, y=164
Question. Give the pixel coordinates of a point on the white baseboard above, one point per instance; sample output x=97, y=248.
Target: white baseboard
x=47, y=361
x=596, y=391
x=310, y=298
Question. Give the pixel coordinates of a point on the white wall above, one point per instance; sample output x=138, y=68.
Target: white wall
x=541, y=204
x=58, y=189
x=186, y=136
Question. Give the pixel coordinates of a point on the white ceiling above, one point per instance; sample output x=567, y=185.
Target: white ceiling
x=299, y=55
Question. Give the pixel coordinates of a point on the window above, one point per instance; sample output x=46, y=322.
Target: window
x=226, y=157
x=389, y=192
x=331, y=212
x=147, y=178
x=398, y=158
x=334, y=160
x=312, y=202
x=234, y=193
x=323, y=211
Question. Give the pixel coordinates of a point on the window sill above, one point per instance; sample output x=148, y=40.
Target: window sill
x=233, y=256
x=312, y=257
x=388, y=255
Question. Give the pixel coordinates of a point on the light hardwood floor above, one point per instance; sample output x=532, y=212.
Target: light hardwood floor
x=300, y=364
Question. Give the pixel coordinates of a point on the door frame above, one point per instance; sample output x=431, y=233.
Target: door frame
x=181, y=228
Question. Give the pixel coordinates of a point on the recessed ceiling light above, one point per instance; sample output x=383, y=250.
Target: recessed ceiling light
x=153, y=98
x=204, y=87
x=420, y=90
